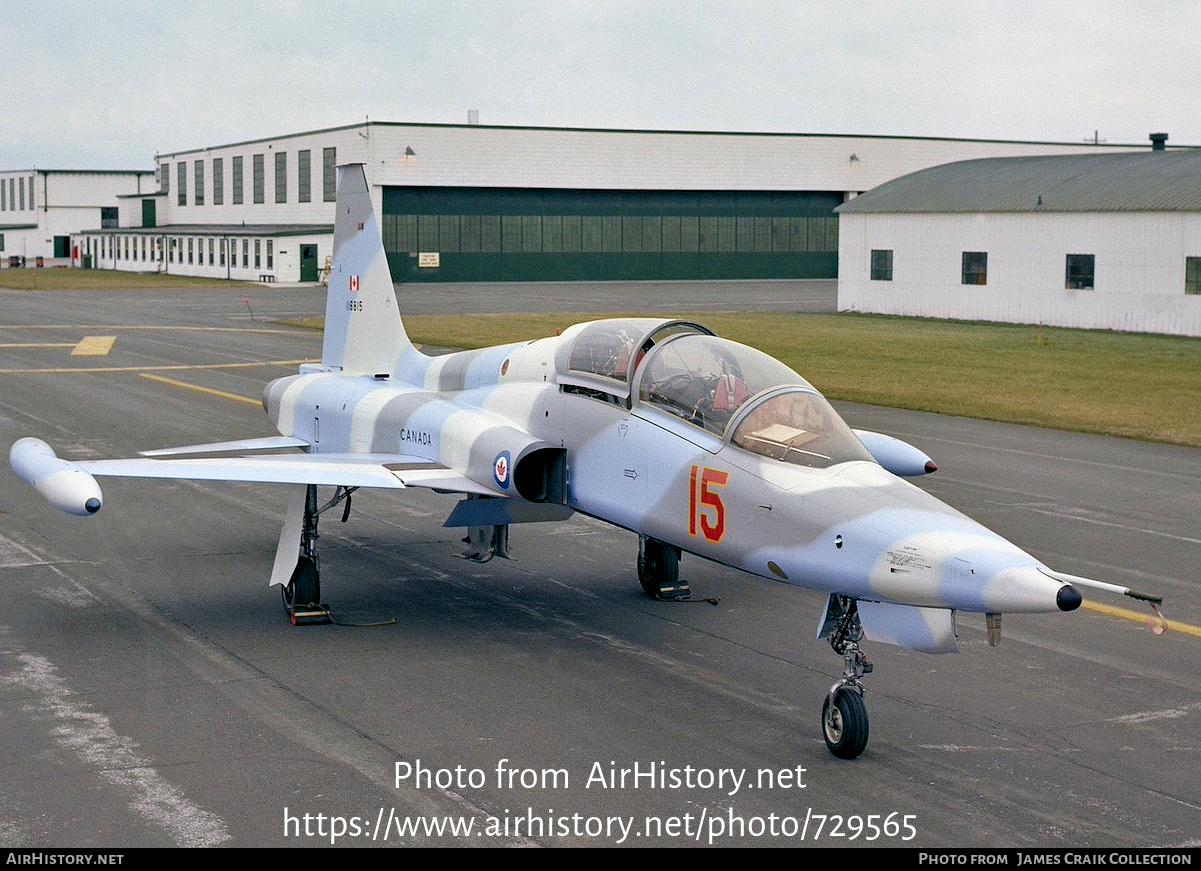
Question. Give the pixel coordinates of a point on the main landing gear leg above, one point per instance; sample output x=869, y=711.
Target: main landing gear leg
x=659, y=570
x=302, y=593
x=844, y=716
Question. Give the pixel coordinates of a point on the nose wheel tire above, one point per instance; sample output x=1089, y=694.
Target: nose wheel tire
x=844, y=723
x=659, y=570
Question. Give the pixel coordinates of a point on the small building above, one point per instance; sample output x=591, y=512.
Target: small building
x=475, y=202
x=40, y=209
x=1106, y=241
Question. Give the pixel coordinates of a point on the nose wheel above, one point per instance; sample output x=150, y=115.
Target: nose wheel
x=844, y=722
x=844, y=715
x=659, y=570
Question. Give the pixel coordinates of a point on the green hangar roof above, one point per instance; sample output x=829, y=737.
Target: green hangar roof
x=1146, y=181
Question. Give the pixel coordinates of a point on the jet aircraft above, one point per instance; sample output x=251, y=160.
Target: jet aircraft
x=698, y=444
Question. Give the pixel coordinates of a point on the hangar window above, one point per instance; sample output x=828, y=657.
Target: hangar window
x=237, y=181
x=281, y=176
x=329, y=174
x=257, y=180
x=181, y=170
x=108, y=217
x=218, y=181
x=1192, y=275
x=1080, y=271
x=304, y=176
x=881, y=264
x=975, y=267
x=198, y=196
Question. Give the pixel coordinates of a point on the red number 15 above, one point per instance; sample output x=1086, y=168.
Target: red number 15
x=704, y=503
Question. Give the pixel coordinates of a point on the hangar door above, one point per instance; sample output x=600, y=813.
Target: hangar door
x=482, y=234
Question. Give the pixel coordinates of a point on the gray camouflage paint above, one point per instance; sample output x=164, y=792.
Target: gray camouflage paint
x=852, y=528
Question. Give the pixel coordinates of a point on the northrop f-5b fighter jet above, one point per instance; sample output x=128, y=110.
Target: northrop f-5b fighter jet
x=696, y=443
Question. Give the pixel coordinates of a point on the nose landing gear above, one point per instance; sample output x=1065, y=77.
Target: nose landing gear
x=844, y=715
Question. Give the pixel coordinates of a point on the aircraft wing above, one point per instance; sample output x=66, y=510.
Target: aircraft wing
x=70, y=485
x=388, y=471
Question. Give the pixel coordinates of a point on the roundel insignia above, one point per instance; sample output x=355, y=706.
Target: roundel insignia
x=500, y=469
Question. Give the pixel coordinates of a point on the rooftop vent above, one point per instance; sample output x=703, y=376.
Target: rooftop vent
x=1159, y=141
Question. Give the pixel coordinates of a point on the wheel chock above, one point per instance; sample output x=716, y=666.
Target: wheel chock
x=677, y=590
x=309, y=615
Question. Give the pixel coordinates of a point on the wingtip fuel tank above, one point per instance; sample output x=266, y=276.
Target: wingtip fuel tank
x=65, y=485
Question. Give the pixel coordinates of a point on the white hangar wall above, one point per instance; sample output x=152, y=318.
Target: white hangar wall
x=41, y=208
x=270, y=189
x=1138, y=277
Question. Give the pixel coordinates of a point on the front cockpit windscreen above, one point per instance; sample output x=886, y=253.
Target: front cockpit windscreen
x=798, y=426
x=708, y=381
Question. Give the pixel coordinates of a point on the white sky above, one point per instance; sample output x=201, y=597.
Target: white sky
x=108, y=83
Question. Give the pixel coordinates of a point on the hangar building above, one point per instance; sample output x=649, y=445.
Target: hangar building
x=474, y=202
x=41, y=208
x=1107, y=241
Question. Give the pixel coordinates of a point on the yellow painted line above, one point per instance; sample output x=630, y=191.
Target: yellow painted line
x=201, y=388
x=1143, y=617
x=38, y=344
x=82, y=327
x=93, y=346
x=173, y=367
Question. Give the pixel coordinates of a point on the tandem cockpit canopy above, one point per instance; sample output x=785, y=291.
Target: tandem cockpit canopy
x=748, y=397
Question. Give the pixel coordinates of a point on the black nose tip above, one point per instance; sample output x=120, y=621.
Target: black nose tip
x=1068, y=598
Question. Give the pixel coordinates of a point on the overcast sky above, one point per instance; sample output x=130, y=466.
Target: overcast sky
x=110, y=83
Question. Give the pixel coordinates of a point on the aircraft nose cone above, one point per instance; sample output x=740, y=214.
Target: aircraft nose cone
x=1068, y=598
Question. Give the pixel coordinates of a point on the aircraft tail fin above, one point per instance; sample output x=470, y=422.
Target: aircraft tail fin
x=363, y=328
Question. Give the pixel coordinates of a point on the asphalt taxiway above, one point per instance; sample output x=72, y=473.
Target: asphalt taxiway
x=152, y=693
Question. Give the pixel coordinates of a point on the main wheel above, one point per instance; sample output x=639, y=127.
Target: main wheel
x=304, y=587
x=658, y=567
x=844, y=723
